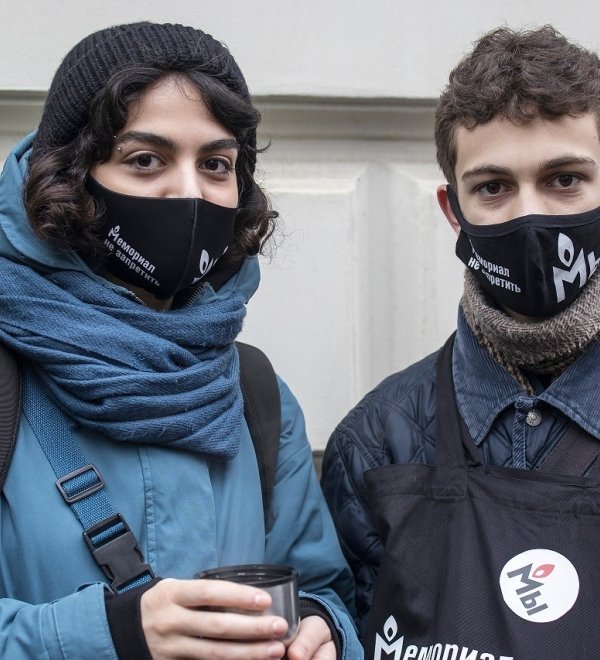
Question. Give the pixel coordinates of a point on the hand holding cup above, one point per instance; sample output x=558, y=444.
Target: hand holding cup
x=212, y=618
x=280, y=582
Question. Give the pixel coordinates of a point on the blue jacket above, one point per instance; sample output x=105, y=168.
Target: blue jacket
x=395, y=423
x=187, y=513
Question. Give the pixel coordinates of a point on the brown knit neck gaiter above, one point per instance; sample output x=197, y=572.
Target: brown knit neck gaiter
x=545, y=347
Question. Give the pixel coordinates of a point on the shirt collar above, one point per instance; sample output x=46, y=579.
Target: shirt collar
x=575, y=391
x=483, y=388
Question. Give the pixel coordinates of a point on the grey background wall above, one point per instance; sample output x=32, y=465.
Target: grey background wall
x=364, y=279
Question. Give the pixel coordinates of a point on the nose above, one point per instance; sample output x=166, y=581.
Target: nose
x=185, y=182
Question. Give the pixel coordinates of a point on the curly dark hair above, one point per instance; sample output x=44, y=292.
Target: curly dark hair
x=61, y=210
x=516, y=75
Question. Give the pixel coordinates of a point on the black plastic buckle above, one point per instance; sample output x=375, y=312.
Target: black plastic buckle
x=90, y=490
x=118, y=556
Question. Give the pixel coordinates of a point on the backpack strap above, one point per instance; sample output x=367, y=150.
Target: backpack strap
x=107, y=535
x=10, y=408
x=262, y=410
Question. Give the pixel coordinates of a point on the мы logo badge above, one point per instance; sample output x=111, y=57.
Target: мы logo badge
x=539, y=585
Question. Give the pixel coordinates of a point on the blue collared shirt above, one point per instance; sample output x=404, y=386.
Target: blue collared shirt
x=511, y=427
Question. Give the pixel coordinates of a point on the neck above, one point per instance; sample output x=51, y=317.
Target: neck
x=145, y=296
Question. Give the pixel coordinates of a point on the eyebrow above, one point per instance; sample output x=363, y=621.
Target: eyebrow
x=160, y=141
x=560, y=161
x=485, y=170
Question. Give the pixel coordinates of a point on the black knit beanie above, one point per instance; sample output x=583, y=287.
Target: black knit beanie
x=88, y=66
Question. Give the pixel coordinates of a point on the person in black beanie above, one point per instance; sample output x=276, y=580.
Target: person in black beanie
x=130, y=224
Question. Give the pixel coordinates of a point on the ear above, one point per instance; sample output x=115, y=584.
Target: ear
x=444, y=202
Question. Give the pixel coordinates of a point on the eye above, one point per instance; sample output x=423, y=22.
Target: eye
x=565, y=181
x=491, y=188
x=217, y=165
x=145, y=161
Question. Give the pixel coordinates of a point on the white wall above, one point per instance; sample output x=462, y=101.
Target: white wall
x=365, y=280
x=365, y=48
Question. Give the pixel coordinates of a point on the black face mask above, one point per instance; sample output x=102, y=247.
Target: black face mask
x=535, y=265
x=162, y=245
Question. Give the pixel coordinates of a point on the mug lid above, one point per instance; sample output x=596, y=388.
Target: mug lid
x=252, y=574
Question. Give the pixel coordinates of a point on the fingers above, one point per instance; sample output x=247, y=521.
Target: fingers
x=227, y=625
x=188, y=619
x=313, y=641
x=215, y=593
x=199, y=608
x=189, y=647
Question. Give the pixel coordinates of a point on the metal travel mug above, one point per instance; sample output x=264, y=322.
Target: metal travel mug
x=281, y=582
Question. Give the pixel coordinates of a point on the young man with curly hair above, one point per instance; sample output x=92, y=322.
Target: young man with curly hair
x=465, y=488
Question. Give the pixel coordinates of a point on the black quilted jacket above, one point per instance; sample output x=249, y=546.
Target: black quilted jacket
x=392, y=424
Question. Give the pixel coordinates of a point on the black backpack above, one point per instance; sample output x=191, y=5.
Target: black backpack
x=262, y=410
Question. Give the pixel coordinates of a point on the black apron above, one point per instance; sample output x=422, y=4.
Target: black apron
x=483, y=562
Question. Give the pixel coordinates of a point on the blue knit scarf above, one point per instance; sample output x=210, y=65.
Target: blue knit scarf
x=121, y=368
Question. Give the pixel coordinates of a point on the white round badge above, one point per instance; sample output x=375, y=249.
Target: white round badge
x=539, y=585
